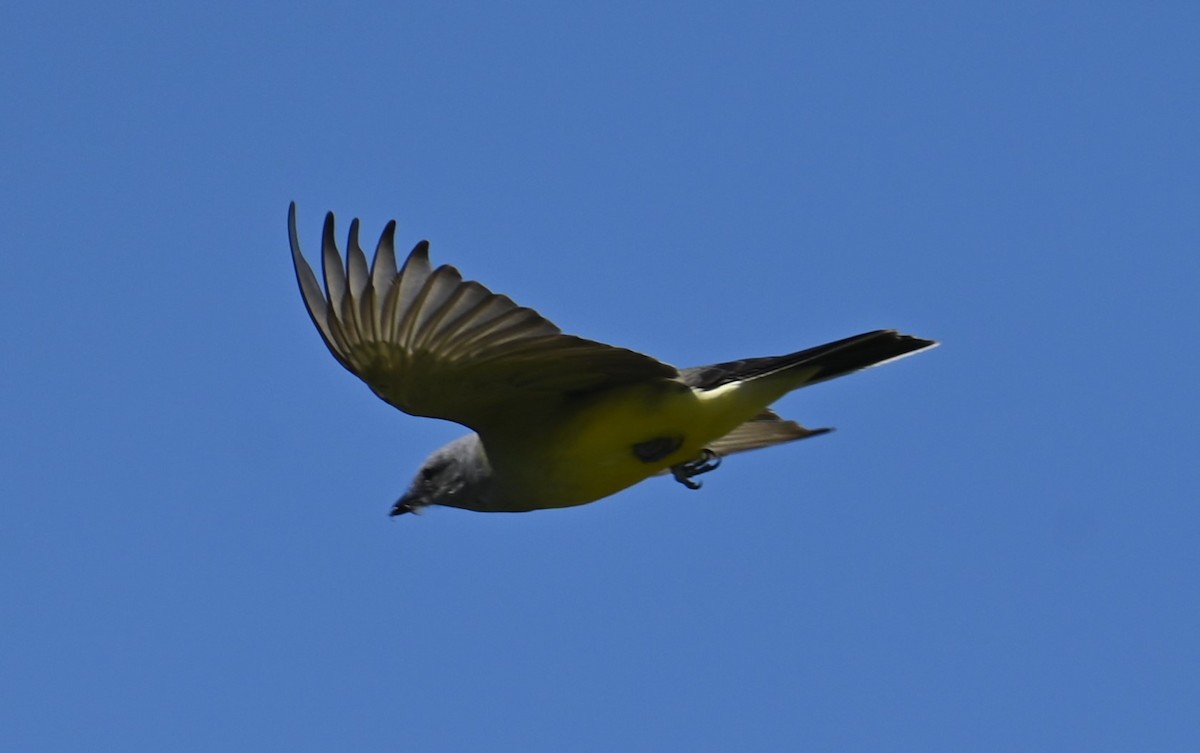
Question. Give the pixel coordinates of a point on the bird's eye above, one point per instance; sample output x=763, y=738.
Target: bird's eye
x=427, y=473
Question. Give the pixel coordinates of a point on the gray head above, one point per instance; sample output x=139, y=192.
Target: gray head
x=455, y=475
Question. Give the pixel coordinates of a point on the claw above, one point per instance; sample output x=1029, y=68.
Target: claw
x=683, y=473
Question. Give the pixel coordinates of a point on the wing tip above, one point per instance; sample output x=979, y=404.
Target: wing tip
x=293, y=234
x=327, y=230
x=419, y=251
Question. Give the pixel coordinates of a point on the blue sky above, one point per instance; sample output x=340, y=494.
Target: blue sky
x=997, y=551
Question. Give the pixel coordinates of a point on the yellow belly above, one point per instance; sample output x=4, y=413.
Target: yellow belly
x=590, y=454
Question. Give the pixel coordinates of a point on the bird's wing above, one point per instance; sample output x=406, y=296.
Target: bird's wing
x=764, y=430
x=432, y=344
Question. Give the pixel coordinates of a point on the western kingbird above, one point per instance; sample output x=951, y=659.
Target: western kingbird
x=558, y=420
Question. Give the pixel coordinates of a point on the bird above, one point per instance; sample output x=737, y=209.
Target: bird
x=556, y=420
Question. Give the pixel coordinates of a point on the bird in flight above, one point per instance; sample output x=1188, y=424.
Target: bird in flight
x=557, y=420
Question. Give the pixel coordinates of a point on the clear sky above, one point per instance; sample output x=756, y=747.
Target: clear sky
x=996, y=551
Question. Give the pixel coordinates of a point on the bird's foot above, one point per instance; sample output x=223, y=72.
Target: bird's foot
x=683, y=473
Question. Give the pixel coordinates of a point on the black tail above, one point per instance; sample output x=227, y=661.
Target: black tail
x=832, y=360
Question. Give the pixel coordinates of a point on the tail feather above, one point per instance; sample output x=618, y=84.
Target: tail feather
x=831, y=360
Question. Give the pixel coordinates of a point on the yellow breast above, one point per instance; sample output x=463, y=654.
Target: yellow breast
x=590, y=453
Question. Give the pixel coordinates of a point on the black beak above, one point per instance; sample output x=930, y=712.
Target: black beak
x=405, y=504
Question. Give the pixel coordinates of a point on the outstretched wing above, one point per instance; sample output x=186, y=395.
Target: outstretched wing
x=764, y=430
x=433, y=344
